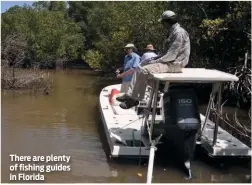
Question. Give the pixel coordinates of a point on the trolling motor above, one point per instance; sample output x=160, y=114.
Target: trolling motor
x=181, y=122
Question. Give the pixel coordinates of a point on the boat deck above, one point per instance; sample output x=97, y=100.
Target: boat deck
x=226, y=145
x=119, y=124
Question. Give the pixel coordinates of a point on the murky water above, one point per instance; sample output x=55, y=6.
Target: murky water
x=67, y=122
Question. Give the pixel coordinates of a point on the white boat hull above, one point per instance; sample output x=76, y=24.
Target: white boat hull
x=127, y=125
x=112, y=121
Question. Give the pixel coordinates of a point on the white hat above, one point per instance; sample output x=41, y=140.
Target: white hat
x=166, y=15
x=129, y=45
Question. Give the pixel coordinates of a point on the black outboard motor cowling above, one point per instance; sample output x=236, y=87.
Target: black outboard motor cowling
x=180, y=108
x=181, y=120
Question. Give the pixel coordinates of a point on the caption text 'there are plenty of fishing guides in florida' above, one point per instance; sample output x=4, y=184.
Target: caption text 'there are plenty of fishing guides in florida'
x=34, y=168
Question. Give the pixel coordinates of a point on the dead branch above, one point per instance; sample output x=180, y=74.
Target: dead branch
x=241, y=133
x=13, y=49
x=201, y=7
x=25, y=79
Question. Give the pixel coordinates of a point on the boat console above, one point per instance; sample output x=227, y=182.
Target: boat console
x=143, y=104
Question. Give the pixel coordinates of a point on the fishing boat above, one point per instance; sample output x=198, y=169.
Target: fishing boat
x=169, y=114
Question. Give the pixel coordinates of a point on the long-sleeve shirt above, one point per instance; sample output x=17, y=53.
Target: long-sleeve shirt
x=147, y=56
x=176, y=47
x=130, y=61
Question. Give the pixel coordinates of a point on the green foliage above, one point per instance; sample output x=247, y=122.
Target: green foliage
x=94, y=59
x=219, y=31
x=51, y=37
x=57, y=6
x=110, y=25
x=41, y=5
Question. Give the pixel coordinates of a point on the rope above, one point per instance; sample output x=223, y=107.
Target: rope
x=128, y=124
x=146, y=112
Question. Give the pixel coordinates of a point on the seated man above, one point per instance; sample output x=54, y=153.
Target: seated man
x=149, y=54
x=176, y=56
x=146, y=58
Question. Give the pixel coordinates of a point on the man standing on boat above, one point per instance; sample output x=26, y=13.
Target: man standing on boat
x=131, y=61
x=176, y=52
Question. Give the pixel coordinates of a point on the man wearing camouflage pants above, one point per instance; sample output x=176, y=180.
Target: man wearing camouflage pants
x=176, y=50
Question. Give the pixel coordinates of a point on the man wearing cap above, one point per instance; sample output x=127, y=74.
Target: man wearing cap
x=131, y=61
x=175, y=56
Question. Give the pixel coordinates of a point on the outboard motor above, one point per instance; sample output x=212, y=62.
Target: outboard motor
x=181, y=121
